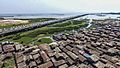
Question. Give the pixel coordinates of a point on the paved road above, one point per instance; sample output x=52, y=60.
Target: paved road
x=7, y=31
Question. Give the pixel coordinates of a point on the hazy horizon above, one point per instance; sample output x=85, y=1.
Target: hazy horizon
x=58, y=6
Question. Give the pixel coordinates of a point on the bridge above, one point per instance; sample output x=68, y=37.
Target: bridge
x=12, y=30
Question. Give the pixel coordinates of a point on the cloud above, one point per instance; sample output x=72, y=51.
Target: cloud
x=85, y=5
x=51, y=6
x=24, y=6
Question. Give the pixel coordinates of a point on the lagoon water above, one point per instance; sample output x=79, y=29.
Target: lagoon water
x=101, y=17
x=24, y=16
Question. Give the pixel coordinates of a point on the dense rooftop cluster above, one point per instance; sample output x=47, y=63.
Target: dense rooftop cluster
x=106, y=21
x=98, y=48
x=95, y=48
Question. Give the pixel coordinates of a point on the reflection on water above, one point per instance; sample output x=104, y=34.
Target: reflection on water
x=57, y=16
x=101, y=17
x=23, y=16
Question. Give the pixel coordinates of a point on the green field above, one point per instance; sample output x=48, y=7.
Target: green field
x=9, y=63
x=32, y=36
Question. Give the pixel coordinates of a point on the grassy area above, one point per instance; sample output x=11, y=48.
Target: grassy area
x=24, y=40
x=33, y=35
x=55, y=28
x=43, y=40
x=9, y=63
x=64, y=24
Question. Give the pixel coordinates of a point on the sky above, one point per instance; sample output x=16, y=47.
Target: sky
x=58, y=6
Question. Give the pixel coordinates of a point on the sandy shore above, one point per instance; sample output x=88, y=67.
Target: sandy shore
x=13, y=21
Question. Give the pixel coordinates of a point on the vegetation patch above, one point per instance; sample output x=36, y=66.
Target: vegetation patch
x=9, y=63
x=44, y=40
